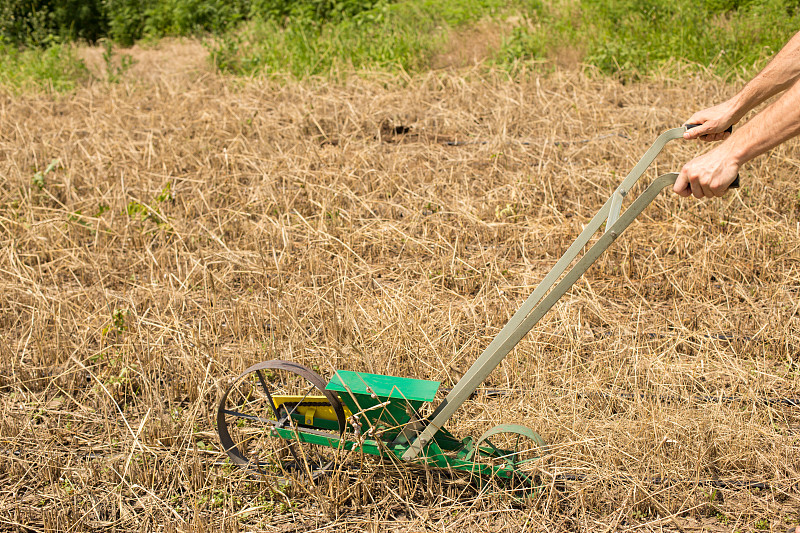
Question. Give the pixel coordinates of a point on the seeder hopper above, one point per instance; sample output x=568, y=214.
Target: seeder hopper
x=283, y=418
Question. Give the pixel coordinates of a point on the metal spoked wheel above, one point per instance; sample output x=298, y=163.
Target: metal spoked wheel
x=513, y=454
x=264, y=411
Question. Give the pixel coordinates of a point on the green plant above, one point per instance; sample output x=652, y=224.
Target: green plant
x=115, y=69
x=38, y=180
x=288, y=11
x=189, y=17
x=41, y=23
x=523, y=44
x=152, y=212
x=118, y=322
x=54, y=68
x=166, y=194
x=313, y=38
x=77, y=217
x=630, y=37
x=126, y=20
x=762, y=524
x=45, y=22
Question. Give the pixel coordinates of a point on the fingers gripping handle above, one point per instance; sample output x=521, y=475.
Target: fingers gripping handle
x=690, y=126
x=735, y=183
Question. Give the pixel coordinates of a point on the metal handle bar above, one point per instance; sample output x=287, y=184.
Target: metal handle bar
x=530, y=313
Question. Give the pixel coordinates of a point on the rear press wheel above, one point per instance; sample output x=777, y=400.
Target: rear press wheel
x=512, y=455
x=264, y=411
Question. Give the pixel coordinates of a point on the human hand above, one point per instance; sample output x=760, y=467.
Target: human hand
x=712, y=123
x=707, y=175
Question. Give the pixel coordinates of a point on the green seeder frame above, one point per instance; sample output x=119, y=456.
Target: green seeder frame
x=378, y=408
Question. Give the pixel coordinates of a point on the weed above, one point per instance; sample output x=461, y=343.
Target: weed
x=507, y=212
x=141, y=211
x=430, y=208
x=321, y=37
x=761, y=524
x=395, y=37
x=38, y=179
x=118, y=322
x=152, y=213
x=115, y=68
x=78, y=218
x=166, y=194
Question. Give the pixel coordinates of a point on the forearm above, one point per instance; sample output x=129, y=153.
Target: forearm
x=775, y=124
x=711, y=174
x=782, y=72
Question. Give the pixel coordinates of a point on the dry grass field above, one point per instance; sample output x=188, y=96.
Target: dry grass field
x=191, y=225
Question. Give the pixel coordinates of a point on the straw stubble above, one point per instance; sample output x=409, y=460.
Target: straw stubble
x=194, y=225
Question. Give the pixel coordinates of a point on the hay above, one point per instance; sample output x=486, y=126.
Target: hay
x=195, y=225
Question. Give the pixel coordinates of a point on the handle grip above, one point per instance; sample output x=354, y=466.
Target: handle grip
x=690, y=126
x=735, y=183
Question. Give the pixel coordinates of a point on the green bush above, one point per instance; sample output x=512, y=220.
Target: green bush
x=126, y=20
x=286, y=12
x=43, y=22
x=55, y=68
x=621, y=37
x=304, y=50
x=80, y=19
x=187, y=17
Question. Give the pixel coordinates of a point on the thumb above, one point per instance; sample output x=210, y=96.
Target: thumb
x=695, y=130
x=681, y=187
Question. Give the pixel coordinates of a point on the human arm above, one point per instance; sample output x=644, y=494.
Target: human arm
x=782, y=72
x=710, y=174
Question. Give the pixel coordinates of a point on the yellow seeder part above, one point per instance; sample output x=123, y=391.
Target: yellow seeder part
x=311, y=411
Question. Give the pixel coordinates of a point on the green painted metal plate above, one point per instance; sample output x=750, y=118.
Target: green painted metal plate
x=420, y=390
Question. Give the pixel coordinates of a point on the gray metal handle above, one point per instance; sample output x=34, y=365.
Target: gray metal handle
x=520, y=323
x=510, y=336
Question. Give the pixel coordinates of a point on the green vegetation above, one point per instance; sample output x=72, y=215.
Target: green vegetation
x=401, y=36
x=39, y=177
x=633, y=37
x=56, y=67
x=43, y=22
x=329, y=37
x=621, y=37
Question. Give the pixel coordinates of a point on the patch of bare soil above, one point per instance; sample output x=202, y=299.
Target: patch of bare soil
x=168, y=61
x=191, y=225
x=470, y=46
